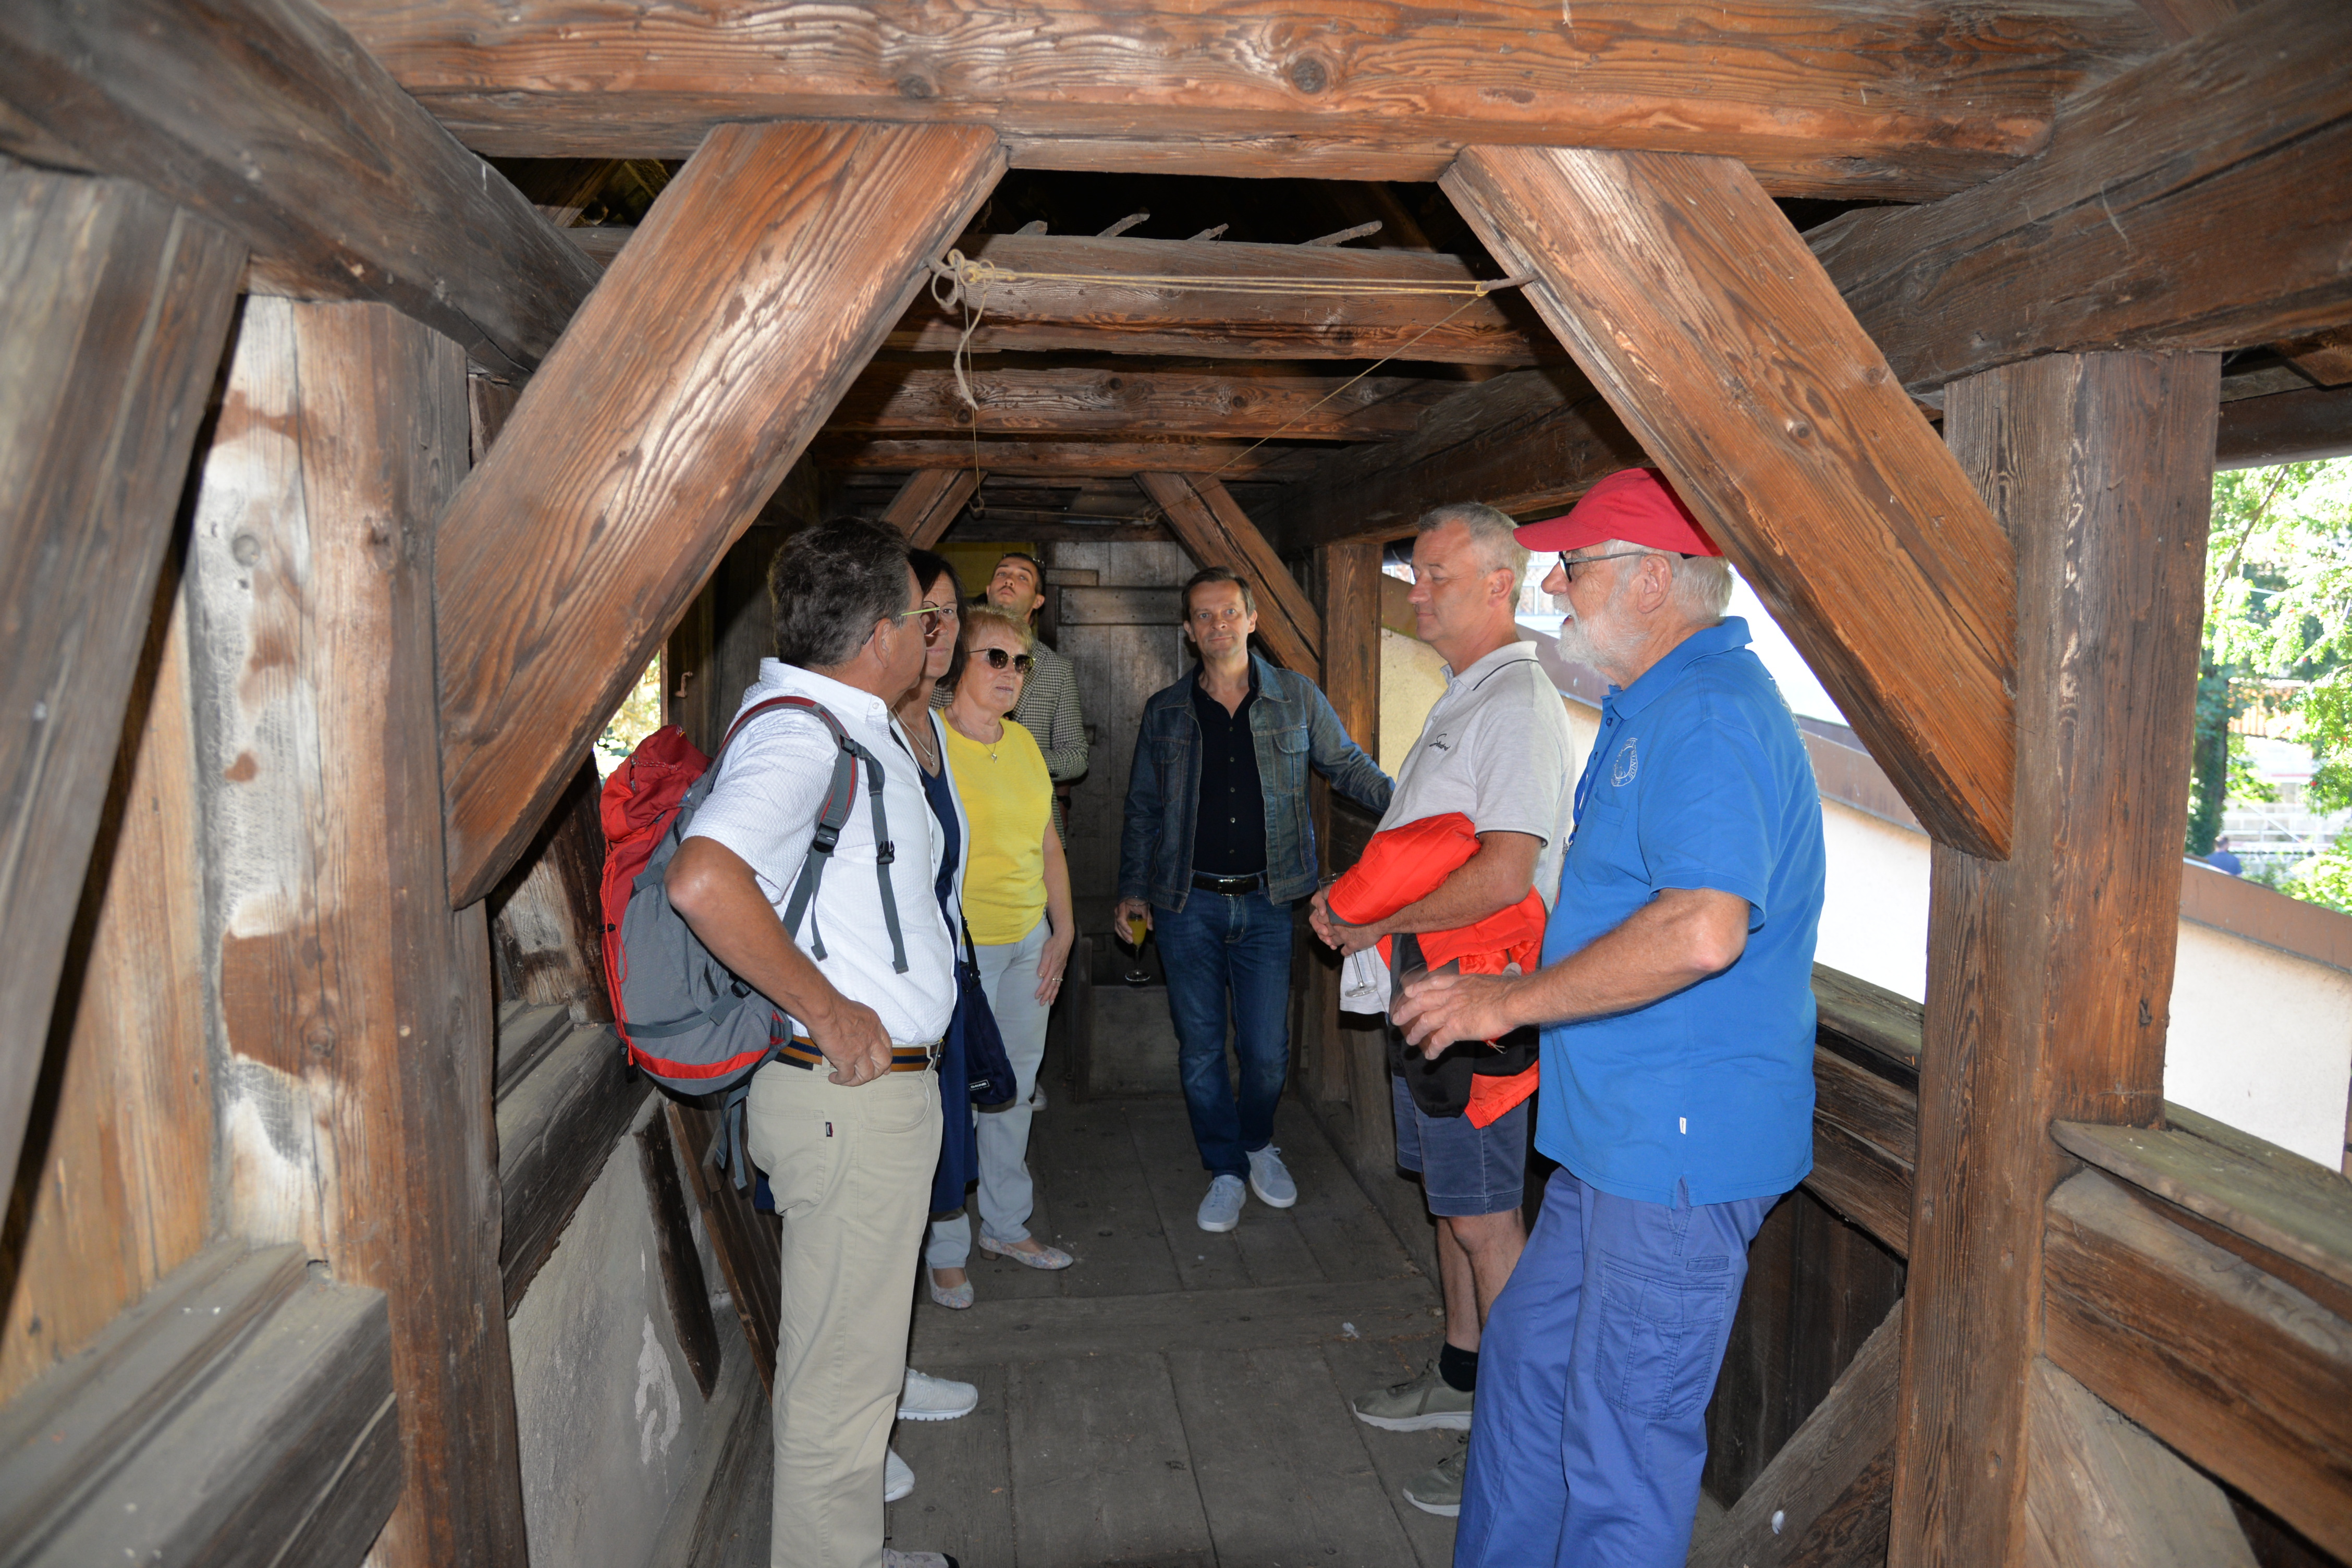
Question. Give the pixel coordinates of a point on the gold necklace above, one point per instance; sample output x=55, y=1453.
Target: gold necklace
x=975, y=740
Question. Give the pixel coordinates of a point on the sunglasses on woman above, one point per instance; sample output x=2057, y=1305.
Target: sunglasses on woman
x=998, y=658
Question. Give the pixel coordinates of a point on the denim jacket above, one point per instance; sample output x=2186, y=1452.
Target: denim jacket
x=1293, y=725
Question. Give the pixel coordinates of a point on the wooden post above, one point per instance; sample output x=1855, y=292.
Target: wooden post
x=2049, y=975
x=351, y=1030
x=113, y=305
x=1350, y=578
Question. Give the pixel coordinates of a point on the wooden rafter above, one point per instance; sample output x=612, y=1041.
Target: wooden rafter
x=2137, y=227
x=901, y=400
x=264, y=116
x=1819, y=98
x=2284, y=427
x=1781, y=424
x=1026, y=457
x=927, y=505
x=1219, y=533
x=662, y=421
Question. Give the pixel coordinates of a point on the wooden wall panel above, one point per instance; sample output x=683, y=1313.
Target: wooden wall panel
x=113, y=306
x=2049, y=975
x=547, y=922
x=650, y=440
x=352, y=1056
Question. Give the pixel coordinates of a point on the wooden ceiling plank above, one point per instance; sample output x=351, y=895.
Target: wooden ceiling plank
x=2133, y=229
x=266, y=118
x=928, y=504
x=1528, y=441
x=1217, y=533
x=656, y=431
x=1821, y=98
x=2284, y=427
x=900, y=400
x=1016, y=457
x=1701, y=316
x=114, y=309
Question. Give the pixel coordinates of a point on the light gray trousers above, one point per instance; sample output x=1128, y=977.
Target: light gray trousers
x=1009, y=975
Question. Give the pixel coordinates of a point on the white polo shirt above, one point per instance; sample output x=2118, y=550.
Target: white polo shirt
x=1497, y=749
x=764, y=806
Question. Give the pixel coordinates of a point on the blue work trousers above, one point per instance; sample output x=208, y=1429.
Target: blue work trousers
x=1221, y=950
x=1594, y=1378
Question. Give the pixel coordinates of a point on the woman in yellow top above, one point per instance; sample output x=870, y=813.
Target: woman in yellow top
x=1016, y=898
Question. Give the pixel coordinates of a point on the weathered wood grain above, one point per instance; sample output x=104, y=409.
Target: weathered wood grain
x=1059, y=1329
x=1217, y=532
x=1865, y=1134
x=928, y=504
x=352, y=1056
x=556, y=1129
x=2284, y=427
x=1120, y=606
x=1530, y=442
x=1820, y=98
x=265, y=117
x=114, y=306
x=2049, y=975
x=2247, y=1378
x=1028, y=457
x=901, y=400
x=2132, y=228
x=240, y=1415
x=1871, y=1019
x=1716, y=337
x=547, y=922
x=651, y=437
x=2101, y=1493
x=681, y=1262
x=1823, y=1500
x=747, y=1242
x=123, y=1193
x=1102, y=1467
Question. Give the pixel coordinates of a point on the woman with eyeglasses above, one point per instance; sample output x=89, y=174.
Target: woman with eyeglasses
x=1016, y=898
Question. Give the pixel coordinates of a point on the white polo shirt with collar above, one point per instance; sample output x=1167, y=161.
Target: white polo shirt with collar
x=764, y=805
x=1497, y=749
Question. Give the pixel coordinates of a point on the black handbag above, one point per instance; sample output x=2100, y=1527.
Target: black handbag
x=986, y=1067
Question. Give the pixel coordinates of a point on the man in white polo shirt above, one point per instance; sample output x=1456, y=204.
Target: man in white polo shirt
x=846, y=1125
x=1495, y=749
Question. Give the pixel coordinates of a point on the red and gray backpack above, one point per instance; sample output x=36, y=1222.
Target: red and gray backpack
x=685, y=1019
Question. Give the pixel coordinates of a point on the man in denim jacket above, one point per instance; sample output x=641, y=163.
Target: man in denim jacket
x=1215, y=849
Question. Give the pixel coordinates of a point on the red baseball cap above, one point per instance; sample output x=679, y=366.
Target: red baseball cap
x=1635, y=505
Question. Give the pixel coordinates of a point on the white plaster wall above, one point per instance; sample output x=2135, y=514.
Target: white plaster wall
x=608, y=1411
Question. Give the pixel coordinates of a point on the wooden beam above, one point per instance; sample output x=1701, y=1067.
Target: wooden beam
x=1333, y=307
x=931, y=500
x=547, y=917
x=1821, y=98
x=2132, y=228
x=1778, y=420
x=1823, y=1500
x=1016, y=456
x=1218, y=533
x=114, y=306
x=557, y=1126
x=2284, y=427
x=903, y=400
x=2246, y=1377
x=2101, y=1493
x=1865, y=1146
x=2049, y=975
x=351, y=1028
x=266, y=118
x=1528, y=441
x=763, y=282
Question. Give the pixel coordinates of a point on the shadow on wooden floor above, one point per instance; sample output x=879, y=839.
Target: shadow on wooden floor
x=1177, y=1399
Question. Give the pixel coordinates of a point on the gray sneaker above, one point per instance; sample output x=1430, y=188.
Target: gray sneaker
x=1270, y=1178
x=1439, y=1490
x=1426, y=1403
x=1221, y=1210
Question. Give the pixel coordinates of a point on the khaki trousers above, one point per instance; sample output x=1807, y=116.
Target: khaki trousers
x=851, y=1171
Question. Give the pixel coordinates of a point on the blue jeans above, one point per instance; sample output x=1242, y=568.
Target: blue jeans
x=1594, y=1378
x=1236, y=946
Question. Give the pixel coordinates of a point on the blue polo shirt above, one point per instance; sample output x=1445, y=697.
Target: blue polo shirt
x=1698, y=779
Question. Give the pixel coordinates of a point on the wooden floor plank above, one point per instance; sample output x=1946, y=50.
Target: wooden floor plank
x=1075, y=1327
x=1171, y=1166
x=1358, y=1365
x=1085, y=1161
x=1101, y=1468
x=1336, y=1223
x=963, y=1502
x=1283, y=1474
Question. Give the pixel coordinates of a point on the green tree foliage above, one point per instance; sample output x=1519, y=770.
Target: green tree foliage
x=640, y=715
x=2278, y=608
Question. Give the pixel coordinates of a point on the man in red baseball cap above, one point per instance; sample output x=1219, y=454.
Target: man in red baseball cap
x=1675, y=1005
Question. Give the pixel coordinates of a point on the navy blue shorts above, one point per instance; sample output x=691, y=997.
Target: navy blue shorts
x=1464, y=1170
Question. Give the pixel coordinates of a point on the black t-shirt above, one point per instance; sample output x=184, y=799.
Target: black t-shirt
x=1229, y=832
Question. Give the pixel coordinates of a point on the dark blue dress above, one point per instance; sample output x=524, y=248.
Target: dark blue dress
x=959, y=1165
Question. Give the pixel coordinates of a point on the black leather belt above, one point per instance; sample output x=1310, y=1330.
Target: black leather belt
x=1249, y=884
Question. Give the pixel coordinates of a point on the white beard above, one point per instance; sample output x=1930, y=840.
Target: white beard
x=1600, y=645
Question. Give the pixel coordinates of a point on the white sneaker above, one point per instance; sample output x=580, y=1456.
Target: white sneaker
x=897, y=1480
x=935, y=1398
x=1270, y=1178
x=1221, y=1210
x=916, y=1559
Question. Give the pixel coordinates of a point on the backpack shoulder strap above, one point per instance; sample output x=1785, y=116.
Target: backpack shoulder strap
x=840, y=798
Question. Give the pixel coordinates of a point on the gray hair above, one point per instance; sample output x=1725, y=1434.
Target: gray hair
x=1702, y=589
x=1492, y=531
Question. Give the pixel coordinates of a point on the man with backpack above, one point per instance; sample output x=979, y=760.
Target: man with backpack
x=846, y=1121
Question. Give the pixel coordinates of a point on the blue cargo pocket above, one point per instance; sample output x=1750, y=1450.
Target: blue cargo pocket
x=1654, y=1357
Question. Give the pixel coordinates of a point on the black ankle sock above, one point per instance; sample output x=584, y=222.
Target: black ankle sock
x=1459, y=1368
